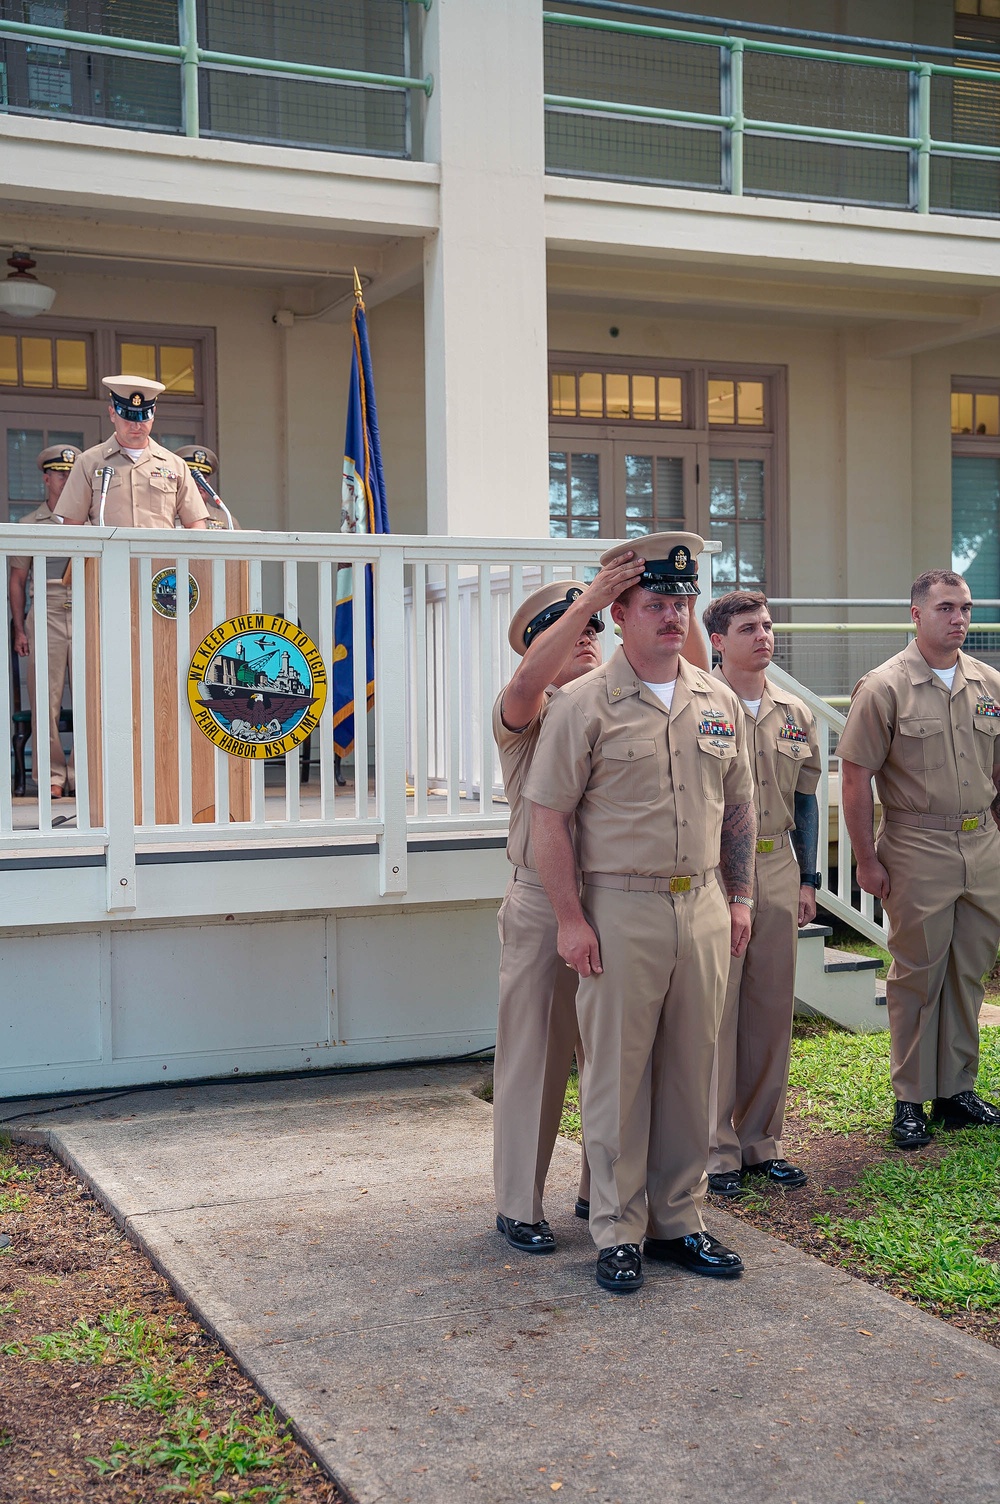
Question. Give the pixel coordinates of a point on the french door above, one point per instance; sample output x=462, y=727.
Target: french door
x=623, y=487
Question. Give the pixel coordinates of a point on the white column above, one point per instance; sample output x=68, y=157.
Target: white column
x=484, y=272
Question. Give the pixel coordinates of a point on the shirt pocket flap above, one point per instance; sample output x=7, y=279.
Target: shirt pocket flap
x=792, y=749
x=717, y=746
x=988, y=723
x=919, y=725
x=623, y=749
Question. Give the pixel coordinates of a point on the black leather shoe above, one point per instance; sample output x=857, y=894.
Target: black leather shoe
x=965, y=1110
x=620, y=1268
x=699, y=1252
x=582, y=1209
x=777, y=1172
x=909, y=1126
x=727, y=1183
x=527, y=1237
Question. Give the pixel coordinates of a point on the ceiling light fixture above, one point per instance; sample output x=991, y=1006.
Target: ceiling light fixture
x=22, y=296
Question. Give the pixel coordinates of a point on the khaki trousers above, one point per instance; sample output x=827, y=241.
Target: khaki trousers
x=60, y=622
x=648, y=1024
x=944, y=927
x=536, y=1039
x=750, y=1081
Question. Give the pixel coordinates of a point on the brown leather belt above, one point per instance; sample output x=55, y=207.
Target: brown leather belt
x=771, y=843
x=528, y=875
x=936, y=822
x=630, y=882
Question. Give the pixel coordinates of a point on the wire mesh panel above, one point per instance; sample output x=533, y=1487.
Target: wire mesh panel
x=633, y=151
x=638, y=71
x=369, y=36
x=837, y=96
x=297, y=112
x=72, y=83
x=792, y=167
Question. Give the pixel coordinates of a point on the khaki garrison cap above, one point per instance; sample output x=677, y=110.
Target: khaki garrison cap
x=671, y=561
x=197, y=457
x=133, y=396
x=59, y=457
x=541, y=609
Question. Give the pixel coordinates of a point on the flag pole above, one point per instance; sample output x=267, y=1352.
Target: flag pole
x=358, y=294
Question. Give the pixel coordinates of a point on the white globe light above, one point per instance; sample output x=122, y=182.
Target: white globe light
x=22, y=296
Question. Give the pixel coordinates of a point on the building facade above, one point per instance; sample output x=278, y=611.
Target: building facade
x=593, y=306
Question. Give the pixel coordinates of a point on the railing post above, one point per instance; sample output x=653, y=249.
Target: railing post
x=116, y=724
x=390, y=722
x=924, y=136
x=189, y=67
x=736, y=130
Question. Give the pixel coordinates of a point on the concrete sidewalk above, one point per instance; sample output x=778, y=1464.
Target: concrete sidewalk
x=337, y=1235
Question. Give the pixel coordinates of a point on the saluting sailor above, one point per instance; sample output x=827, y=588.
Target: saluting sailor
x=647, y=757
x=130, y=480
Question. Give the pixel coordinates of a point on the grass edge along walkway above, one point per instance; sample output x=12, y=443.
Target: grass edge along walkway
x=927, y=1223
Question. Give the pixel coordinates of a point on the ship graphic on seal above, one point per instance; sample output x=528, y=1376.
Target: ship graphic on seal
x=257, y=705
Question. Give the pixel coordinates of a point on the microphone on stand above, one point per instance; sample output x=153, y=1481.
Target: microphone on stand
x=213, y=495
x=106, y=479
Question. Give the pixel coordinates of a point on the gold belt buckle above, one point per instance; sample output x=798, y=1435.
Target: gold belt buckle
x=680, y=885
x=971, y=824
x=765, y=843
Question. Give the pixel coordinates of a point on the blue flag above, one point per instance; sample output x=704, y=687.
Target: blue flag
x=363, y=510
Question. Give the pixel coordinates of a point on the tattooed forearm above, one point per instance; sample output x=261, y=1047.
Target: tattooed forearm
x=805, y=836
x=736, y=858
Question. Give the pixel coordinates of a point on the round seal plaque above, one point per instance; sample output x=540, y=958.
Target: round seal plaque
x=164, y=591
x=257, y=685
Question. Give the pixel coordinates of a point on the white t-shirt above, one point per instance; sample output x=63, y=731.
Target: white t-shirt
x=135, y=455
x=664, y=692
x=753, y=706
x=947, y=674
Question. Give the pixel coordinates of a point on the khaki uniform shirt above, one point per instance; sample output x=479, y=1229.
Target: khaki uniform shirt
x=516, y=750
x=932, y=753
x=649, y=785
x=149, y=492
x=54, y=568
x=784, y=752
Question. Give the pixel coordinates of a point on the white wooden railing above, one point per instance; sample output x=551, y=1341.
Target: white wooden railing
x=442, y=608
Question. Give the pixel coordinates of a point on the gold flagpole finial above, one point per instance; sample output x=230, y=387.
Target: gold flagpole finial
x=359, y=296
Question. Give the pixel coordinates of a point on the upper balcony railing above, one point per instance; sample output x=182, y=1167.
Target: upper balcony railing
x=882, y=124
x=285, y=74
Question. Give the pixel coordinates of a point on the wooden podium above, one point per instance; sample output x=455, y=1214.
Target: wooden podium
x=168, y=724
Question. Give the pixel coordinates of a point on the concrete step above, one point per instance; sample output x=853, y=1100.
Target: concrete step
x=837, y=984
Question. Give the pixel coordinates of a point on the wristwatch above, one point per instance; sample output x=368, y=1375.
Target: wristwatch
x=810, y=879
x=738, y=898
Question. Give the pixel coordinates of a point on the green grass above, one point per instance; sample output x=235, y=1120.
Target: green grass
x=118, y=1337
x=925, y=1223
x=188, y=1452
x=919, y=1222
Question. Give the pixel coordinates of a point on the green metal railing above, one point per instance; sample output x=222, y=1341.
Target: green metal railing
x=630, y=68
x=180, y=108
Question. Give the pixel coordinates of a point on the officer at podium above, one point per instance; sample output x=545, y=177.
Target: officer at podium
x=130, y=480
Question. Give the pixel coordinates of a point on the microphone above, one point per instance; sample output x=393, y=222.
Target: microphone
x=213, y=495
x=106, y=478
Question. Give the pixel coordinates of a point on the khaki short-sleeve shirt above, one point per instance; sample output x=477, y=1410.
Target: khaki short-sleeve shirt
x=932, y=752
x=516, y=750
x=54, y=568
x=783, y=743
x=149, y=492
x=649, y=785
